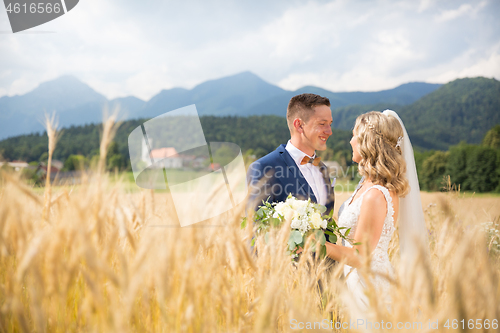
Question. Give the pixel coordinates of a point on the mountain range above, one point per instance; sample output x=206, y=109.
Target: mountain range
x=436, y=116
x=243, y=94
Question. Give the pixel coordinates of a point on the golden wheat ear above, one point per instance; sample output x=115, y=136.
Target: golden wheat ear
x=51, y=123
x=109, y=128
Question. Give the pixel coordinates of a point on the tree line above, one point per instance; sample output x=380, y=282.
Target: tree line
x=79, y=145
x=473, y=167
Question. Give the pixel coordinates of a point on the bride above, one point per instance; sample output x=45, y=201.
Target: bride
x=389, y=189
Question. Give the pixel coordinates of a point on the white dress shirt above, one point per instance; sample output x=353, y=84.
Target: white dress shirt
x=311, y=173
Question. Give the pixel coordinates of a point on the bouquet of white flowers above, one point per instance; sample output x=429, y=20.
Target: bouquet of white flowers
x=305, y=218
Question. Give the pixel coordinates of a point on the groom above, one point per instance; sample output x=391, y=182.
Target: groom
x=294, y=168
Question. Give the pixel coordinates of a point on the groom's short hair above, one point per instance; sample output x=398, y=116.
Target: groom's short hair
x=302, y=106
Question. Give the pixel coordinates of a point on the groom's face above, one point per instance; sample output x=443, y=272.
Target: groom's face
x=318, y=128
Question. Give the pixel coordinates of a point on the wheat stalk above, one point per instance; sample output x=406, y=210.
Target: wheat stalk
x=111, y=272
x=53, y=135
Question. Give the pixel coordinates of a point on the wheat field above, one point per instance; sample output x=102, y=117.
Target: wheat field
x=98, y=258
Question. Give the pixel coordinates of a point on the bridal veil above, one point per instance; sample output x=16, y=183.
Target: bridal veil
x=412, y=229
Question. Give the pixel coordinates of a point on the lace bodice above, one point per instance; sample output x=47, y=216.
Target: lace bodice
x=350, y=216
x=380, y=259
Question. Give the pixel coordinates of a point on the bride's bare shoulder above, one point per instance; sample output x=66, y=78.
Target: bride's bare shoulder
x=373, y=196
x=378, y=197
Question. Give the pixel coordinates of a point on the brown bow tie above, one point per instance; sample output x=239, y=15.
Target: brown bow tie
x=314, y=161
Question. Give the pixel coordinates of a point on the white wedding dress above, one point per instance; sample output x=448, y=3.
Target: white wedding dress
x=380, y=264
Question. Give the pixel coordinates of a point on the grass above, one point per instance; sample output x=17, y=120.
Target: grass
x=467, y=194
x=98, y=265
x=100, y=257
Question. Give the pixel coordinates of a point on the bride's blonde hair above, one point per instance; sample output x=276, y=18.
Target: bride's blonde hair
x=381, y=156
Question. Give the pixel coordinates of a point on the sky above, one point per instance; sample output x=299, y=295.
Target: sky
x=130, y=47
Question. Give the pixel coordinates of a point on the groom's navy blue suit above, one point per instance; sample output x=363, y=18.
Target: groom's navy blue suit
x=276, y=175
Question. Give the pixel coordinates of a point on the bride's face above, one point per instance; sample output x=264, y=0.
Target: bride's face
x=356, y=157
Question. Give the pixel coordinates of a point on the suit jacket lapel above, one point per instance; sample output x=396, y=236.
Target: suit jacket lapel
x=292, y=166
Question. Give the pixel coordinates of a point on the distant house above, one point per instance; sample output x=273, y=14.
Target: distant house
x=55, y=167
x=58, y=177
x=42, y=169
x=57, y=164
x=171, y=160
x=16, y=165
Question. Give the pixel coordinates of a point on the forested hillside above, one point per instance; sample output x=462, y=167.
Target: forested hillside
x=462, y=110
x=474, y=167
x=262, y=134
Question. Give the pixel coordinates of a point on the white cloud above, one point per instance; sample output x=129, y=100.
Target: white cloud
x=124, y=47
x=448, y=15
x=488, y=66
x=424, y=5
x=464, y=9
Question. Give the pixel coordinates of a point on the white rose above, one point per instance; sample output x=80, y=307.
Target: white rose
x=302, y=211
x=316, y=221
x=280, y=207
x=324, y=224
x=298, y=204
x=296, y=224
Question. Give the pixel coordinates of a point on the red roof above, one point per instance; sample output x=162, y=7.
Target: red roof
x=164, y=153
x=52, y=169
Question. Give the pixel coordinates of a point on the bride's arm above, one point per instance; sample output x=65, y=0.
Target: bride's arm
x=339, y=253
x=368, y=231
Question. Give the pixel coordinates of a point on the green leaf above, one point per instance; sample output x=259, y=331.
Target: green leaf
x=332, y=225
x=320, y=236
x=252, y=243
x=260, y=212
x=296, y=236
x=321, y=208
x=347, y=232
x=274, y=221
x=333, y=238
x=322, y=252
x=243, y=223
